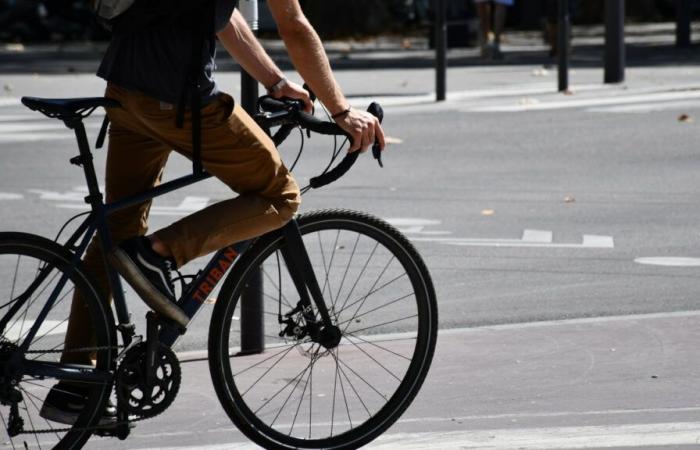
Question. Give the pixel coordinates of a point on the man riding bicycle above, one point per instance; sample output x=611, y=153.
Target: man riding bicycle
x=144, y=71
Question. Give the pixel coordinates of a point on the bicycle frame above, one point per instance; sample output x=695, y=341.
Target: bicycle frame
x=295, y=254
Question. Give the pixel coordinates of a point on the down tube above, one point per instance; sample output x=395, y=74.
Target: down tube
x=200, y=289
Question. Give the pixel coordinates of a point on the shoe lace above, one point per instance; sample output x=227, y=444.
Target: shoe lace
x=169, y=267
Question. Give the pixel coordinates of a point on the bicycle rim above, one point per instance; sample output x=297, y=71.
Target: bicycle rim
x=22, y=259
x=297, y=394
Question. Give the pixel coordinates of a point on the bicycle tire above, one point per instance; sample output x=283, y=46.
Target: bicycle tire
x=407, y=343
x=28, y=253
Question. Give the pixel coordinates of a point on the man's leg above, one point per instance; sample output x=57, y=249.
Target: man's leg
x=483, y=10
x=239, y=153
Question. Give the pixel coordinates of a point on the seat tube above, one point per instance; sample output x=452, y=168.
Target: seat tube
x=88, y=167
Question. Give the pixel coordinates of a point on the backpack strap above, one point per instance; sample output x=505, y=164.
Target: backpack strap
x=202, y=32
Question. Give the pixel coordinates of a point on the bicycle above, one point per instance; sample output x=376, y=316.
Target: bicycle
x=321, y=335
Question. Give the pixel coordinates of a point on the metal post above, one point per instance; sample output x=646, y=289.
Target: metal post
x=252, y=314
x=440, y=49
x=683, y=17
x=564, y=33
x=614, y=41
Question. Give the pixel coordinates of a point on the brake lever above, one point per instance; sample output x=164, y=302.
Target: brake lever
x=376, y=110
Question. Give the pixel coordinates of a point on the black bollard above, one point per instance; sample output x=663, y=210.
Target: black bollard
x=251, y=307
x=683, y=17
x=614, y=41
x=563, y=37
x=440, y=7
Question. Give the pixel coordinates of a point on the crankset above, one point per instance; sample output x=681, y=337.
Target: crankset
x=145, y=392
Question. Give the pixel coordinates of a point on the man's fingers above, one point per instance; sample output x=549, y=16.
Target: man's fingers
x=379, y=133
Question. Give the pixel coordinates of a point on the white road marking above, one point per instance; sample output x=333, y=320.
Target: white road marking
x=548, y=438
x=10, y=196
x=537, y=236
x=669, y=261
x=48, y=327
x=189, y=205
x=648, y=107
x=531, y=238
x=589, y=102
x=503, y=91
x=9, y=101
x=605, y=436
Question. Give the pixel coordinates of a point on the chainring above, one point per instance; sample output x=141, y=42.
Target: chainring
x=131, y=388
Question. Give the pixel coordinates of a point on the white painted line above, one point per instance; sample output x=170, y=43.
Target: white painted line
x=10, y=196
x=605, y=436
x=669, y=261
x=602, y=242
x=538, y=236
x=683, y=433
x=593, y=241
x=48, y=327
x=10, y=128
x=9, y=101
x=648, y=107
x=33, y=137
x=188, y=206
x=500, y=92
x=599, y=101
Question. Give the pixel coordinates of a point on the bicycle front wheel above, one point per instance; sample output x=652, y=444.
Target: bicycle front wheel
x=32, y=270
x=298, y=394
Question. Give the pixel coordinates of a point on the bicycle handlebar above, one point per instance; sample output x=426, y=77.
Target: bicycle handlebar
x=289, y=114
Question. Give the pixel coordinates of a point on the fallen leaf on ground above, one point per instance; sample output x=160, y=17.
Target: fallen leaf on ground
x=685, y=118
x=488, y=212
x=569, y=199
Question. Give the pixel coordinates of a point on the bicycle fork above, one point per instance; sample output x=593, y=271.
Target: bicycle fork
x=304, y=278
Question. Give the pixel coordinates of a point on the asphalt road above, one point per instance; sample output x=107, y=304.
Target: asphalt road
x=526, y=205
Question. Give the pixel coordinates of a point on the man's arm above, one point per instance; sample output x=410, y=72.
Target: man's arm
x=310, y=59
x=243, y=46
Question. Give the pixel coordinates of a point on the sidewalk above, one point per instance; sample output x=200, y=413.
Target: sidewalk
x=647, y=44
x=603, y=382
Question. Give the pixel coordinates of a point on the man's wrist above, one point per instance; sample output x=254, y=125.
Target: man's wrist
x=277, y=87
x=342, y=113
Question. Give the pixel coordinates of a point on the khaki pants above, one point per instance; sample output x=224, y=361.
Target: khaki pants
x=234, y=149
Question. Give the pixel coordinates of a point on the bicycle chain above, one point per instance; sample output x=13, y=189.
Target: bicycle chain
x=115, y=425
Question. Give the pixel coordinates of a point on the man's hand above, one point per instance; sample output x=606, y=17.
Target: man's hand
x=364, y=129
x=293, y=90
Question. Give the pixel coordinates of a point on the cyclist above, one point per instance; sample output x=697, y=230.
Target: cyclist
x=144, y=72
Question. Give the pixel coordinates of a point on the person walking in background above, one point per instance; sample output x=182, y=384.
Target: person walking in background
x=492, y=20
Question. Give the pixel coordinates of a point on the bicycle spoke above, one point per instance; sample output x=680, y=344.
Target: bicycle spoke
x=374, y=344
x=385, y=323
x=31, y=422
x=14, y=283
x=372, y=292
x=359, y=277
x=352, y=386
x=268, y=370
x=299, y=375
x=357, y=316
x=345, y=274
x=367, y=296
x=377, y=362
x=277, y=288
x=301, y=398
x=2, y=417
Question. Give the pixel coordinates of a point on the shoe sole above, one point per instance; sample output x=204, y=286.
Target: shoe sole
x=145, y=289
x=66, y=418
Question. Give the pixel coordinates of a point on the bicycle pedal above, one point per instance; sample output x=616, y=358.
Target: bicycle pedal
x=119, y=431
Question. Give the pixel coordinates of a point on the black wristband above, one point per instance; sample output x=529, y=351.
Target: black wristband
x=341, y=113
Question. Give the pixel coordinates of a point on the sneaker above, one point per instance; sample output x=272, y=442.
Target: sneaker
x=66, y=402
x=149, y=274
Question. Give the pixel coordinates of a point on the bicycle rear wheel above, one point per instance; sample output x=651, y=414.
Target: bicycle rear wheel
x=297, y=394
x=31, y=268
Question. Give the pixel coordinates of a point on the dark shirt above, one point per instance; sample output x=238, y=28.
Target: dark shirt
x=154, y=59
